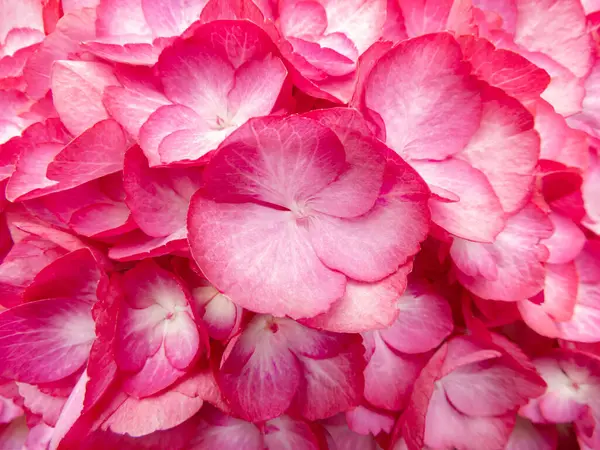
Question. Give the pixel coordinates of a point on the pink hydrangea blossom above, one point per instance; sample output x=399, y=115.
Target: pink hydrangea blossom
x=299, y=224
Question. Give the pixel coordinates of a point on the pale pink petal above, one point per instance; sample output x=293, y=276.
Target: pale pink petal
x=116, y=17
x=518, y=256
x=285, y=432
x=99, y=151
x=257, y=85
x=171, y=17
x=40, y=403
x=372, y=246
x=181, y=340
x=77, y=88
x=506, y=149
x=303, y=18
x=260, y=258
x=132, y=104
x=527, y=436
x=165, y=121
x=389, y=376
x=139, y=417
x=364, y=306
x=158, y=198
x=422, y=93
x=35, y=344
x=478, y=214
x=217, y=430
x=556, y=28
x=447, y=427
x=221, y=316
x=566, y=242
x=361, y=21
x=283, y=162
x=364, y=420
x=425, y=320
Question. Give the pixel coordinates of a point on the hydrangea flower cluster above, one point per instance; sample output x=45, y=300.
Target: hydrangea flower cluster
x=299, y=224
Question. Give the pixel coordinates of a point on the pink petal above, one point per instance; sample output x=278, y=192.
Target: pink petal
x=427, y=16
x=157, y=374
x=372, y=246
x=158, y=198
x=197, y=77
x=38, y=330
x=77, y=88
x=256, y=88
x=365, y=421
x=425, y=320
x=260, y=376
x=160, y=412
x=165, y=121
x=260, y=258
x=97, y=152
x=132, y=104
x=331, y=385
x=541, y=28
x=59, y=280
x=566, y=242
x=137, y=246
x=504, y=69
x=446, y=427
x=506, y=149
x=389, y=376
x=364, y=306
x=181, y=340
x=421, y=91
x=253, y=160
x=517, y=254
x=478, y=214
x=559, y=300
x=527, y=436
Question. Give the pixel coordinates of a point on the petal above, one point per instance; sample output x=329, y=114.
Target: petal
x=517, y=254
x=260, y=258
x=566, y=241
x=421, y=91
x=389, y=376
x=256, y=88
x=37, y=330
x=541, y=28
x=505, y=148
x=478, y=214
x=158, y=197
x=260, y=376
x=99, y=151
x=77, y=88
x=364, y=306
x=165, y=121
x=372, y=246
x=425, y=320
x=182, y=340
x=279, y=161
